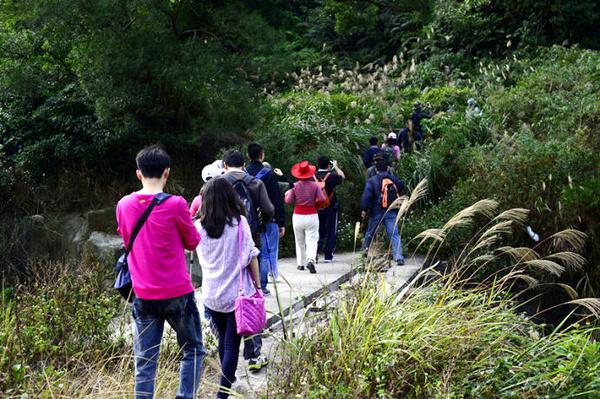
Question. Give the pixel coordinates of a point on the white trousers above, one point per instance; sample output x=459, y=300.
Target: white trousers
x=306, y=233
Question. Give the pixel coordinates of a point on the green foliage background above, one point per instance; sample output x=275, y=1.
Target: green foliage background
x=85, y=84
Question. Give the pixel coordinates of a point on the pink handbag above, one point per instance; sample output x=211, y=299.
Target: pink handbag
x=250, y=312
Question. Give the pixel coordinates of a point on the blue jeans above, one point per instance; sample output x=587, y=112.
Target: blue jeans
x=269, y=251
x=182, y=315
x=389, y=221
x=229, y=347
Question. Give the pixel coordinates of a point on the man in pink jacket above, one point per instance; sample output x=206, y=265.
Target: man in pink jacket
x=161, y=283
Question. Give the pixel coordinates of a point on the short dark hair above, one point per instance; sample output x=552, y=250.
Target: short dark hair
x=323, y=162
x=373, y=140
x=255, y=150
x=233, y=158
x=381, y=166
x=152, y=161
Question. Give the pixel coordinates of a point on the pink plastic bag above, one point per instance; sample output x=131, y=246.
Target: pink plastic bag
x=250, y=312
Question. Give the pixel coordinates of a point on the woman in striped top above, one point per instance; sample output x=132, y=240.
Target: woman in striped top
x=305, y=195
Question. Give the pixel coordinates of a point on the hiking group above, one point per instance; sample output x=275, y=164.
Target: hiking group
x=234, y=226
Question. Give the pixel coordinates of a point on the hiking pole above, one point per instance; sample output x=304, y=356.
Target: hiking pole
x=285, y=336
x=356, y=232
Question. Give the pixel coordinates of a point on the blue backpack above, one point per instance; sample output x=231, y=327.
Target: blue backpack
x=262, y=173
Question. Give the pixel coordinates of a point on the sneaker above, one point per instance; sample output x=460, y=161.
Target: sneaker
x=328, y=260
x=400, y=262
x=257, y=363
x=265, y=291
x=300, y=267
x=311, y=267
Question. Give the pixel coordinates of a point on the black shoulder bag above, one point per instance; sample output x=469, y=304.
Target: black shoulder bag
x=123, y=281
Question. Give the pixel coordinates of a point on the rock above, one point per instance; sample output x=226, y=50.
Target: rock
x=53, y=236
x=74, y=230
x=71, y=235
x=102, y=220
x=38, y=239
x=104, y=247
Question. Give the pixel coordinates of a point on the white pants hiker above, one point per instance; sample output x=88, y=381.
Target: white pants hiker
x=306, y=233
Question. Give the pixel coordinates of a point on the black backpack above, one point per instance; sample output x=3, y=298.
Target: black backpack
x=388, y=154
x=241, y=187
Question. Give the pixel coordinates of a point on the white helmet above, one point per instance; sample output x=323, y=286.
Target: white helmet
x=212, y=170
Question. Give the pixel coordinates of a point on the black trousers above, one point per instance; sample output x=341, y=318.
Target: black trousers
x=229, y=347
x=252, y=346
x=328, y=220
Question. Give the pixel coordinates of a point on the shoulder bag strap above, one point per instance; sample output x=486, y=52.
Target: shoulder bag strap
x=158, y=198
x=262, y=173
x=240, y=246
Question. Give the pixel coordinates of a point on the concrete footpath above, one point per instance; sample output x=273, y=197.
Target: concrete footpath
x=297, y=290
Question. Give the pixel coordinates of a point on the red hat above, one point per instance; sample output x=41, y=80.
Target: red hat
x=303, y=170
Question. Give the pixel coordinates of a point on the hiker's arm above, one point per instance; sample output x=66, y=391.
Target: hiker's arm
x=338, y=170
x=188, y=232
x=399, y=185
x=118, y=217
x=196, y=204
x=273, y=192
x=365, y=198
x=252, y=251
x=289, y=196
x=255, y=272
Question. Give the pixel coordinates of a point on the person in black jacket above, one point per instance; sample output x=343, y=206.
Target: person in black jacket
x=332, y=176
x=372, y=204
x=418, y=114
x=274, y=230
x=371, y=151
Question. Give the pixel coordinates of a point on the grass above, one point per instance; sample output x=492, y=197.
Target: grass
x=113, y=377
x=461, y=336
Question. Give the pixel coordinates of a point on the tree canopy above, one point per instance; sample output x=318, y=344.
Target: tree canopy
x=85, y=83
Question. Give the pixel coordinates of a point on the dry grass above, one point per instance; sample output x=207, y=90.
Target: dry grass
x=112, y=377
x=452, y=338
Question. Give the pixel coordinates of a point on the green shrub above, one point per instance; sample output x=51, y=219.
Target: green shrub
x=446, y=98
x=536, y=147
x=63, y=315
x=460, y=336
x=556, y=98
